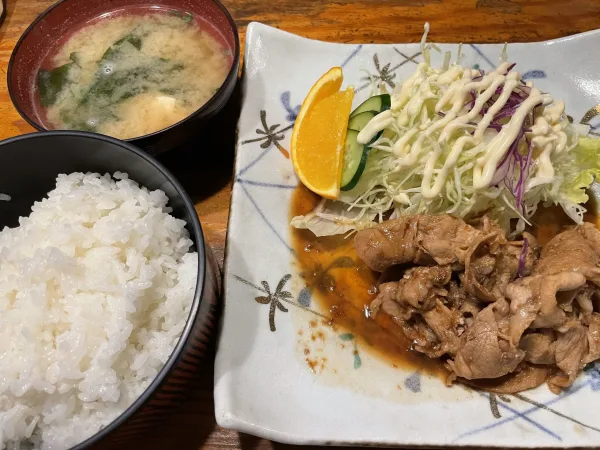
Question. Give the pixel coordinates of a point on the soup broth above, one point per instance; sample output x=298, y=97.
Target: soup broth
x=131, y=75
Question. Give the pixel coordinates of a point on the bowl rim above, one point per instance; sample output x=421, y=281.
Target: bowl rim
x=195, y=227
x=231, y=75
x=3, y=13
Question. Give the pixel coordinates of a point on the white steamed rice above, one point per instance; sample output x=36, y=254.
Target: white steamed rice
x=95, y=289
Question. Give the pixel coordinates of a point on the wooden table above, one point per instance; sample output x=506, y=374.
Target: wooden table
x=206, y=167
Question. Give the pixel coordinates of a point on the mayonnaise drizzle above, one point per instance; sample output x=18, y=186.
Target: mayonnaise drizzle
x=453, y=126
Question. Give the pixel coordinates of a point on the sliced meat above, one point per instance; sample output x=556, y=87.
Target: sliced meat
x=485, y=351
x=468, y=305
x=445, y=324
x=493, y=264
x=419, y=239
x=539, y=347
x=571, y=350
x=557, y=301
x=418, y=288
x=526, y=376
x=576, y=250
x=421, y=285
x=505, y=317
x=584, y=299
x=533, y=301
x=593, y=337
x=578, y=344
x=386, y=294
x=413, y=303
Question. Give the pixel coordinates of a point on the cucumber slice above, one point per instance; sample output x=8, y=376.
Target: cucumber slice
x=359, y=121
x=355, y=160
x=378, y=104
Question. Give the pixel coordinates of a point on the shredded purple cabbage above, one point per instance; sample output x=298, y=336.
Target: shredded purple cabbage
x=506, y=168
x=512, y=104
x=523, y=257
x=525, y=89
x=513, y=170
x=514, y=159
x=470, y=104
x=481, y=75
x=501, y=171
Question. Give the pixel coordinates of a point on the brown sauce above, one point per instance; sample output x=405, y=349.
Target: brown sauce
x=344, y=286
x=548, y=222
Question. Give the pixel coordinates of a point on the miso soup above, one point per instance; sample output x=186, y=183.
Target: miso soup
x=128, y=76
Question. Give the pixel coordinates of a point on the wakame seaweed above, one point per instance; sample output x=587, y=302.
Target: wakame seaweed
x=107, y=85
x=112, y=85
x=185, y=16
x=52, y=82
x=117, y=47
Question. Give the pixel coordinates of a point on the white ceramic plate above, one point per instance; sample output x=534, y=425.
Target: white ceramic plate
x=264, y=384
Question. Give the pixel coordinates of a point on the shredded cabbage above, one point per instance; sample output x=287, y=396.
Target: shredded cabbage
x=546, y=161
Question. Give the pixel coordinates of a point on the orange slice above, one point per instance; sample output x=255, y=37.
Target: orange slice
x=317, y=146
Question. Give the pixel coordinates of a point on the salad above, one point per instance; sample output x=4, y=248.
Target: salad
x=461, y=141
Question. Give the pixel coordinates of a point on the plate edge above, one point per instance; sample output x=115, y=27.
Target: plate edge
x=582, y=35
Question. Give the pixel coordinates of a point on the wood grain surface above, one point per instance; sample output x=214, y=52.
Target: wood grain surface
x=205, y=167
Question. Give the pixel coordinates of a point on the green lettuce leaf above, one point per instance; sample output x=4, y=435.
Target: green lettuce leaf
x=583, y=171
